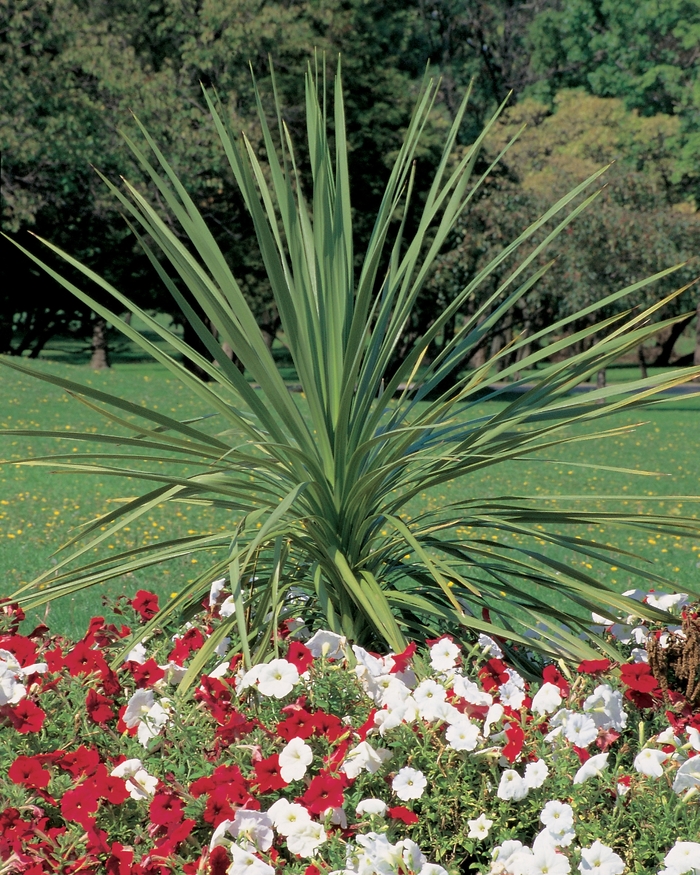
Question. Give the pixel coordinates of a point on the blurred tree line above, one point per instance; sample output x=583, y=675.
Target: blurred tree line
x=595, y=81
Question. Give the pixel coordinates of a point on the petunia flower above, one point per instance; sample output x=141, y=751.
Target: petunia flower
x=409, y=783
x=580, y=729
x=648, y=762
x=245, y=863
x=443, y=655
x=556, y=815
x=592, y=768
x=536, y=774
x=546, y=700
x=463, y=734
x=683, y=857
x=600, y=860
x=688, y=776
x=479, y=828
x=512, y=786
x=277, y=678
x=307, y=839
x=288, y=817
x=363, y=757
x=371, y=806
x=326, y=644
x=294, y=757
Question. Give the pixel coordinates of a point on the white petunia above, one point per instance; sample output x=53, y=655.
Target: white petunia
x=371, y=806
x=326, y=644
x=428, y=695
x=219, y=835
x=545, y=860
x=277, y=678
x=580, y=730
x=215, y=590
x=489, y=646
x=463, y=734
x=253, y=829
x=443, y=655
x=648, y=762
x=288, y=817
x=511, y=695
x=136, y=654
x=470, y=692
x=139, y=783
x=11, y=691
x=556, y=815
x=228, y=607
x=294, y=757
x=387, y=690
x=432, y=869
x=547, y=699
x=512, y=786
x=245, y=863
x=409, y=783
x=683, y=857
x=306, y=840
x=493, y=715
x=479, y=828
x=592, y=768
x=365, y=758
x=693, y=737
x=604, y=707
x=600, y=860
x=137, y=707
x=536, y=774
x=153, y=721
x=688, y=776
x=666, y=601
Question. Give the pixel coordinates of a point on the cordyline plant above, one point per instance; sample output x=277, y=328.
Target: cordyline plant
x=316, y=485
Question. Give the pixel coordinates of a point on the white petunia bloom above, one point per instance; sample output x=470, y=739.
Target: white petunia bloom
x=326, y=644
x=245, y=863
x=277, y=678
x=153, y=721
x=428, y=695
x=409, y=783
x=683, y=857
x=365, y=758
x=600, y=860
x=544, y=860
x=604, y=707
x=493, y=715
x=512, y=786
x=511, y=695
x=463, y=734
x=11, y=691
x=688, y=776
x=139, y=783
x=579, y=729
x=405, y=712
x=556, y=815
x=479, y=828
x=432, y=869
x=253, y=829
x=592, y=768
x=489, y=646
x=306, y=840
x=215, y=590
x=443, y=655
x=648, y=762
x=219, y=835
x=294, y=757
x=371, y=806
x=387, y=690
x=136, y=654
x=693, y=737
x=470, y=692
x=536, y=774
x=137, y=707
x=547, y=699
x=666, y=601
x=288, y=817
x=228, y=607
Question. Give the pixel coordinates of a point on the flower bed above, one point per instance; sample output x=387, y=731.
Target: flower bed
x=332, y=759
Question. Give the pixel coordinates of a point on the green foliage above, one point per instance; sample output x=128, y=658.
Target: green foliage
x=327, y=516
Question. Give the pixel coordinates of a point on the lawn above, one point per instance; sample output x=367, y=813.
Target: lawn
x=40, y=510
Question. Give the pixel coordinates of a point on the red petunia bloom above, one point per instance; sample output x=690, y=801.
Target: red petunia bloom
x=83, y=761
x=400, y=812
x=145, y=604
x=79, y=804
x=146, y=674
x=606, y=738
x=83, y=660
x=516, y=739
x=300, y=724
x=300, y=656
x=594, y=666
x=165, y=809
x=99, y=707
x=120, y=860
x=191, y=641
x=23, y=648
x=493, y=674
x=552, y=675
x=329, y=725
x=219, y=861
x=218, y=807
x=54, y=659
x=401, y=660
x=28, y=772
x=234, y=726
x=638, y=676
x=26, y=716
x=323, y=792
x=267, y=774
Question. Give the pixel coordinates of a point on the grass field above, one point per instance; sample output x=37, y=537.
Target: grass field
x=40, y=510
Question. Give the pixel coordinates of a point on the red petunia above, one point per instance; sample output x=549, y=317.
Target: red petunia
x=165, y=809
x=516, y=739
x=401, y=660
x=79, y=804
x=300, y=656
x=83, y=660
x=26, y=717
x=23, y=648
x=400, y=812
x=146, y=674
x=329, y=725
x=54, y=659
x=638, y=676
x=323, y=792
x=493, y=674
x=267, y=773
x=594, y=666
x=191, y=641
x=219, y=861
x=120, y=860
x=552, y=675
x=145, y=604
x=300, y=724
x=28, y=772
x=218, y=807
x=99, y=707
x=83, y=761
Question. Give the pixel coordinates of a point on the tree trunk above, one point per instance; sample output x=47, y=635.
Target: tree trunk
x=663, y=358
x=100, y=349
x=642, y=362
x=600, y=379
